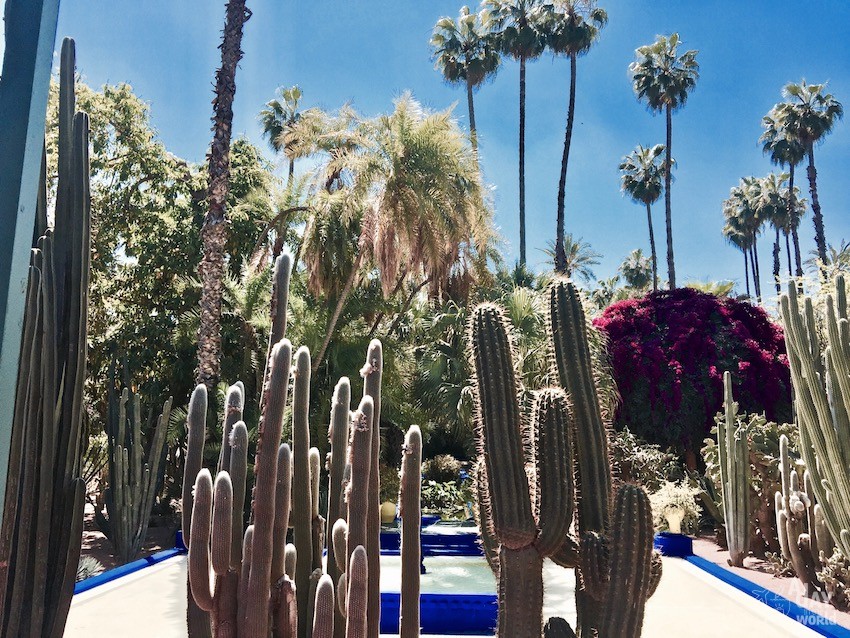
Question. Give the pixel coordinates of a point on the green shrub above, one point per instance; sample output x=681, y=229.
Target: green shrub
x=443, y=468
x=447, y=499
x=645, y=464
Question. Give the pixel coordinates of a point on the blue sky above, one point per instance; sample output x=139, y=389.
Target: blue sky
x=369, y=52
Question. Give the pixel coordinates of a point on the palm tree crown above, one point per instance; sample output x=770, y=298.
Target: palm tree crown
x=463, y=50
x=810, y=112
x=518, y=26
x=642, y=174
x=663, y=77
x=572, y=26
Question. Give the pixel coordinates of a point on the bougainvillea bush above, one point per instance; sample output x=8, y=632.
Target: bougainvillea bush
x=668, y=352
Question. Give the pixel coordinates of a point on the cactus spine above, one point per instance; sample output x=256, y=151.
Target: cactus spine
x=411, y=522
x=43, y=512
x=734, y=455
x=821, y=380
x=132, y=479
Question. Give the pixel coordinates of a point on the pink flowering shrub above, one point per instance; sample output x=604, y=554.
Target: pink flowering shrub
x=668, y=352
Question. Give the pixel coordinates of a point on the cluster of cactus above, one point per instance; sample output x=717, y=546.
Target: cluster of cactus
x=133, y=476
x=734, y=460
x=800, y=523
x=820, y=374
x=263, y=586
x=42, y=522
x=533, y=475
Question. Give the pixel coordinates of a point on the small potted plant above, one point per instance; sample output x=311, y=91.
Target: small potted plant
x=674, y=509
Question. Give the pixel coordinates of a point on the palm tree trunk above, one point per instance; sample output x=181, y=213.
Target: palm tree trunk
x=746, y=271
x=756, y=269
x=291, y=175
x=668, y=179
x=788, y=254
x=214, y=229
x=473, y=130
x=817, y=216
x=560, y=256
x=522, y=161
x=791, y=203
x=340, y=304
x=652, y=248
x=776, y=264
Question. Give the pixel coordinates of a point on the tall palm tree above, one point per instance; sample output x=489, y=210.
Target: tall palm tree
x=773, y=208
x=641, y=175
x=465, y=54
x=735, y=235
x=573, y=26
x=785, y=150
x=519, y=32
x=741, y=212
x=278, y=118
x=664, y=79
x=809, y=115
x=580, y=257
x=636, y=270
x=418, y=183
x=214, y=229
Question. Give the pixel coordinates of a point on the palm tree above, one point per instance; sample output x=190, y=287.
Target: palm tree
x=278, y=118
x=735, y=235
x=664, y=79
x=809, y=116
x=743, y=223
x=465, y=54
x=641, y=175
x=786, y=151
x=772, y=207
x=518, y=30
x=416, y=180
x=637, y=270
x=214, y=229
x=580, y=257
x=573, y=26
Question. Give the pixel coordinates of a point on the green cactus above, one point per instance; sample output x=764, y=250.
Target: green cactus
x=43, y=516
x=820, y=374
x=527, y=530
x=734, y=458
x=411, y=522
x=133, y=479
x=616, y=574
x=372, y=372
x=338, y=437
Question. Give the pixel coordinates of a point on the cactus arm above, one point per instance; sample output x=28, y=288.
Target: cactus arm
x=238, y=469
x=196, y=428
x=222, y=523
x=338, y=437
x=357, y=594
x=316, y=521
x=372, y=373
x=301, y=505
x=324, y=609
x=520, y=592
x=199, y=554
x=339, y=539
x=489, y=542
x=357, y=495
x=283, y=489
x=285, y=609
x=265, y=470
x=232, y=415
x=734, y=471
x=411, y=522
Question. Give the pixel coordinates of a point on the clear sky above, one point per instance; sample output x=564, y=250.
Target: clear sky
x=368, y=52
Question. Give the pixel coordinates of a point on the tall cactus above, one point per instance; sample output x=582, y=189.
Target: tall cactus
x=43, y=515
x=734, y=455
x=796, y=522
x=820, y=374
x=372, y=372
x=338, y=456
x=411, y=522
x=133, y=478
x=616, y=574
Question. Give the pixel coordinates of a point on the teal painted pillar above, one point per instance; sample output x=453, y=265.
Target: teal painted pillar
x=30, y=37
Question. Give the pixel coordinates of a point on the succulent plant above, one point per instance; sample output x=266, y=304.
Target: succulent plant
x=734, y=457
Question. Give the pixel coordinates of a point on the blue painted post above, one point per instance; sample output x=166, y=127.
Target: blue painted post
x=30, y=37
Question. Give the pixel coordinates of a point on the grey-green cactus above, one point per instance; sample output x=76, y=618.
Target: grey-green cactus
x=372, y=372
x=133, y=477
x=616, y=573
x=734, y=457
x=820, y=374
x=411, y=522
x=43, y=516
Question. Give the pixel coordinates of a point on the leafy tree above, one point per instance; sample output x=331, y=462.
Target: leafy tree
x=278, y=119
x=641, y=175
x=809, y=115
x=637, y=270
x=465, y=54
x=518, y=29
x=744, y=223
x=786, y=151
x=214, y=229
x=664, y=79
x=572, y=26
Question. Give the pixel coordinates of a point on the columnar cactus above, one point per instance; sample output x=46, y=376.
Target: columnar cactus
x=411, y=522
x=43, y=516
x=527, y=529
x=616, y=574
x=795, y=514
x=133, y=479
x=337, y=458
x=734, y=456
x=820, y=374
